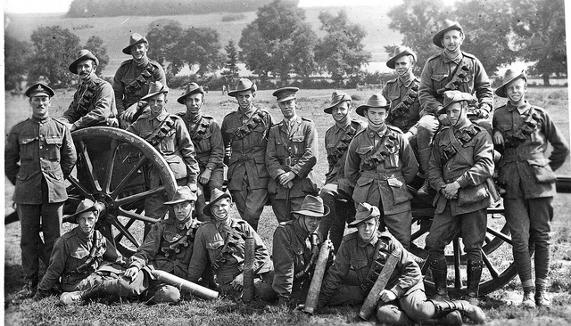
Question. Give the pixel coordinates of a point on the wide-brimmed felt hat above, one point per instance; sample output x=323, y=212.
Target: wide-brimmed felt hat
x=242, y=85
x=215, y=196
x=182, y=194
x=155, y=88
x=86, y=205
x=451, y=97
x=364, y=212
x=447, y=25
x=189, y=90
x=399, y=52
x=39, y=88
x=84, y=54
x=375, y=101
x=313, y=206
x=285, y=93
x=509, y=77
x=135, y=39
x=336, y=98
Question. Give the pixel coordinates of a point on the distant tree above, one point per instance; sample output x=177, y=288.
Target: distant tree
x=341, y=52
x=16, y=54
x=164, y=38
x=540, y=24
x=201, y=48
x=54, y=49
x=95, y=45
x=278, y=40
x=231, y=65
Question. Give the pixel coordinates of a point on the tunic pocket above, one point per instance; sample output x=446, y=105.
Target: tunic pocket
x=542, y=171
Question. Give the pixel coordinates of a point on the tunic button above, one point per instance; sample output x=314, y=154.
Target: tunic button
x=41, y=147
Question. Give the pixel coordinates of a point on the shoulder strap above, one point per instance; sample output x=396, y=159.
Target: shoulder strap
x=161, y=131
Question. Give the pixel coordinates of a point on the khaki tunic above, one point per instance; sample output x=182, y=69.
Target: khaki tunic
x=207, y=139
x=337, y=142
x=397, y=92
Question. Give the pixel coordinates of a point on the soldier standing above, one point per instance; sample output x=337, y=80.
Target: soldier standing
x=245, y=134
x=295, y=248
x=133, y=78
x=358, y=263
x=220, y=244
x=461, y=162
x=452, y=69
x=167, y=133
x=207, y=139
x=290, y=157
x=94, y=101
x=380, y=163
x=39, y=156
x=522, y=132
x=336, y=192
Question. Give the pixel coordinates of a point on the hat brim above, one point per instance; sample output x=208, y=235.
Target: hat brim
x=182, y=200
x=355, y=223
x=360, y=109
x=182, y=99
x=330, y=108
x=287, y=98
x=206, y=210
x=73, y=65
x=391, y=61
x=501, y=91
x=127, y=50
x=437, y=39
x=45, y=90
x=312, y=213
x=73, y=217
x=148, y=96
x=236, y=91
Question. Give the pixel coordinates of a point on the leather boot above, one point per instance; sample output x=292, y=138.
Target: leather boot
x=528, y=301
x=541, y=299
x=444, y=307
x=439, y=271
x=474, y=269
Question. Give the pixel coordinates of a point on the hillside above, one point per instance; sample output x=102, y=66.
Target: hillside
x=115, y=30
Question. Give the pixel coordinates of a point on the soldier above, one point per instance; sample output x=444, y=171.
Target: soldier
x=94, y=101
x=295, y=248
x=358, y=263
x=245, y=134
x=207, y=140
x=460, y=163
x=220, y=244
x=168, y=134
x=522, y=132
x=336, y=192
x=38, y=157
x=290, y=157
x=452, y=69
x=133, y=78
x=380, y=162
x=78, y=253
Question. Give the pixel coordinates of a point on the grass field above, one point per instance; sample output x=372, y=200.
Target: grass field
x=500, y=305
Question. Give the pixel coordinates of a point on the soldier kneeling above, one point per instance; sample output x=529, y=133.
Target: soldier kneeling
x=359, y=261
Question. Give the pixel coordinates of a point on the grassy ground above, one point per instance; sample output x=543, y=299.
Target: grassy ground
x=500, y=306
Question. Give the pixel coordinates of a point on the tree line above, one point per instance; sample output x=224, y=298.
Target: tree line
x=280, y=44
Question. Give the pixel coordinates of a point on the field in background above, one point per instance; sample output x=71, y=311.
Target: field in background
x=499, y=305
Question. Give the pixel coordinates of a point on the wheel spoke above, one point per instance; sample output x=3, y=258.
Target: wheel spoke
x=127, y=177
x=127, y=226
x=88, y=166
x=457, y=272
x=487, y=239
x=125, y=232
x=136, y=216
x=110, y=164
x=500, y=235
x=493, y=271
x=78, y=185
x=133, y=198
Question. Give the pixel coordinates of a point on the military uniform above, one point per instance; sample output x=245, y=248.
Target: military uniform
x=246, y=137
x=405, y=108
x=291, y=147
x=336, y=192
x=93, y=105
x=527, y=175
x=168, y=134
x=207, y=140
x=464, y=155
x=132, y=80
x=38, y=157
x=379, y=165
x=222, y=247
x=75, y=257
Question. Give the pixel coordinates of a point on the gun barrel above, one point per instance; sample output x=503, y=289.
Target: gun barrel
x=183, y=284
x=315, y=285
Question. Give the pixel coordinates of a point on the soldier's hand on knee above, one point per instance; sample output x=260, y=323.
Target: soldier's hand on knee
x=204, y=177
x=388, y=295
x=131, y=272
x=498, y=138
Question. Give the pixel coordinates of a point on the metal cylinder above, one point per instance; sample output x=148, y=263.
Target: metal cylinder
x=315, y=286
x=183, y=284
x=249, y=258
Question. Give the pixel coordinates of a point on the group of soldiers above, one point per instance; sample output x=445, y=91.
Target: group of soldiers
x=431, y=138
